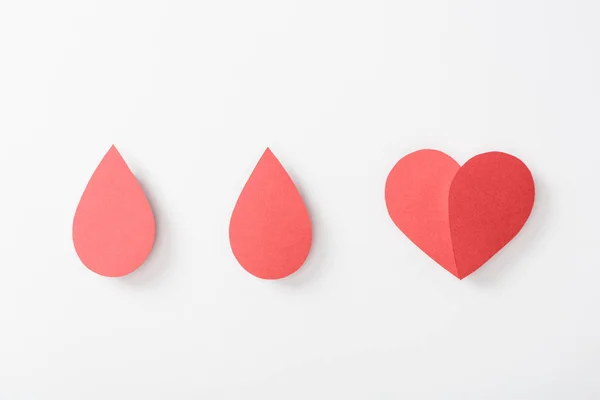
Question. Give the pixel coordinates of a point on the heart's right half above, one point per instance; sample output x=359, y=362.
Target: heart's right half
x=460, y=216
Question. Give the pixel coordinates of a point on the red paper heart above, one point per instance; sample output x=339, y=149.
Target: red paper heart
x=460, y=217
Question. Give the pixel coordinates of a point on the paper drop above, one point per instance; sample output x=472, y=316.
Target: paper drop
x=460, y=216
x=113, y=228
x=270, y=230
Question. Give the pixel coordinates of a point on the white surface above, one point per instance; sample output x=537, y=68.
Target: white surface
x=192, y=92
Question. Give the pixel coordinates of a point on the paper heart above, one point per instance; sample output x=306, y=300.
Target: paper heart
x=460, y=216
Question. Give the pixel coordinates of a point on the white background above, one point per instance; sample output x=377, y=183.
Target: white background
x=191, y=92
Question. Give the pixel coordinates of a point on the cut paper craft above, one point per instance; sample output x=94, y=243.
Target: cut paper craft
x=460, y=217
x=113, y=228
x=270, y=230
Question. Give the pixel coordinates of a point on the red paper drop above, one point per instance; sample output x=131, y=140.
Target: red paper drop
x=113, y=228
x=270, y=230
